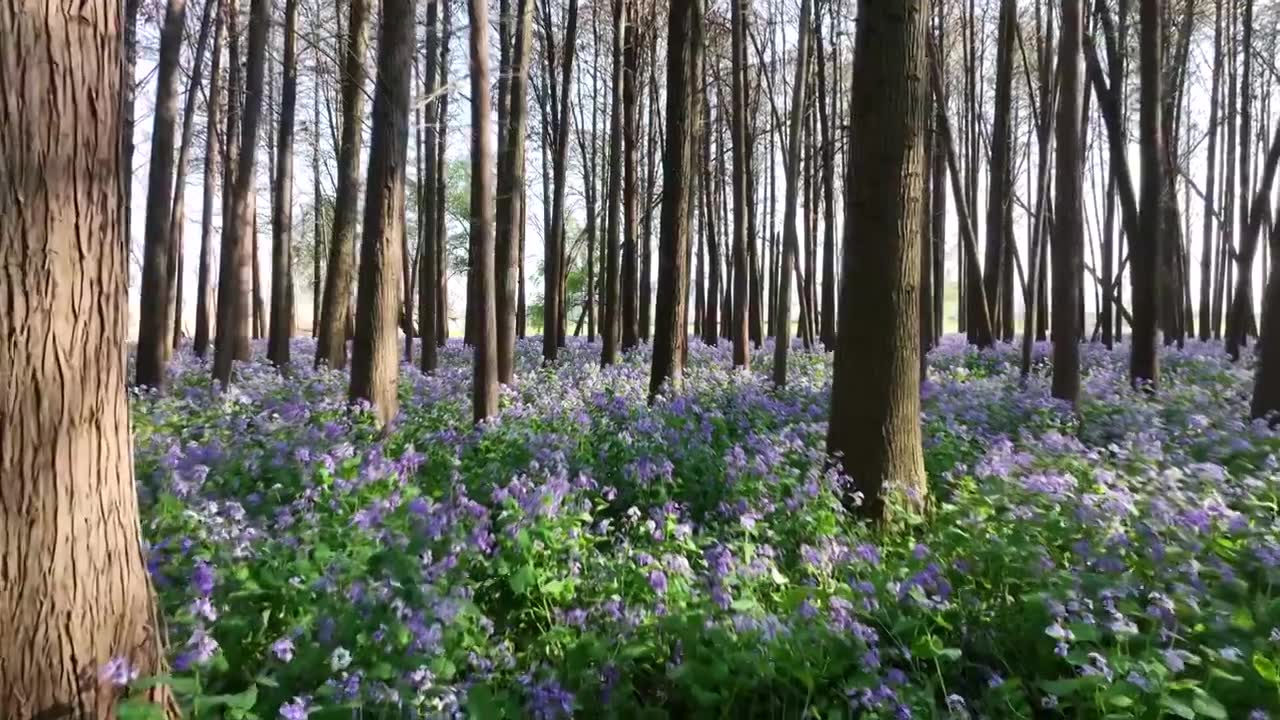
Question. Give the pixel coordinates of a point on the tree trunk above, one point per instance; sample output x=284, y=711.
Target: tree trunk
x=1206, y=253
x=511, y=196
x=645, y=312
x=375, y=354
x=484, y=391
x=331, y=345
x=153, y=322
x=442, y=237
x=74, y=587
x=710, y=262
x=1068, y=234
x=1000, y=190
x=282, y=221
x=611, y=325
x=684, y=60
x=874, y=431
x=790, y=243
x=1144, y=362
x=630, y=280
x=204, y=294
x=231, y=314
x=552, y=288
x=128, y=96
x=827, y=332
x=429, y=271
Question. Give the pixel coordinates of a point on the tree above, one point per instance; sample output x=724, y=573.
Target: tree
x=282, y=218
x=1000, y=189
x=554, y=241
x=1144, y=363
x=790, y=241
x=429, y=272
x=630, y=279
x=684, y=54
x=375, y=356
x=204, y=299
x=511, y=196
x=233, y=305
x=1068, y=230
x=153, y=323
x=611, y=327
x=484, y=390
x=331, y=344
x=875, y=393
x=1207, y=249
x=827, y=325
x=64, y=433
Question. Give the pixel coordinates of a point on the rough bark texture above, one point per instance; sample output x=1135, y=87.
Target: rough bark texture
x=875, y=395
x=331, y=345
x=611, y=325
x=74, y=588
x=281, y=328
x=375, y=355
x=153, y=322
x=484, y=389
x=232, y=312
x=684, y=52
x=1068, y=228
x=510, y=199
x=1144, y=363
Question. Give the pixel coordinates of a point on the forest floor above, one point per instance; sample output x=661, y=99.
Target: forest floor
x=588, y=555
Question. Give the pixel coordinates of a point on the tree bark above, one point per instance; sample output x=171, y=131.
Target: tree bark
x=331, y=343
x=281, y=325
x=1144, y=362
x=74, y=586
x=611, y=322
x=204, y=294
x=1068, y=236
x=684, y=53
x=554, y=245
x=484, y=391
x=874, y=431
x=429, y=272
x=630, y=280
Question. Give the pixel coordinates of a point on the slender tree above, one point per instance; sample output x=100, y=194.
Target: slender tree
x=281, y=328
x=1068, y=235
x=484, y=389
x=234, y=280
x=684, y=53
x=875, y=394
x=611, y=325
x=204, y=290
x=629, y=282
x=331, y=343
x=428, y=272
x=554, y=245
x=1144, y=362
x=742, y=261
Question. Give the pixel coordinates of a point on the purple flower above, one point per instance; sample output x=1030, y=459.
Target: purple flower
x=296, y=709
x=118, y=671
x=203, y=577
x=658, y=581
x=283, y=648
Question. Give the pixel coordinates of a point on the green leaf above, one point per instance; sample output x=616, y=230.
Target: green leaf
x=1242, y=618
x=179, y=685
x=1062, y=688
x=524, y=579
x=241, y=701
x=1206, y=704
x=1177, y=707
x=135, y=709
x=1266, y=668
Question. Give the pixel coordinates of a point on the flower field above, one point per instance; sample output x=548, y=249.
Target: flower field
x=587, y=555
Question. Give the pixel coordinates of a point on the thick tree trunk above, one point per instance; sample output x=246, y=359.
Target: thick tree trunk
x=484, y=390
x=1000, y=187
x=331, y=343
x=511, y=196
x=684, y=54
x=630, y=280
x=153, y=322
x=742, y=260
x=874, y=431
x=375, y=354
x=281, y=325
x=1068, y=236
x=1144, y=362
x=74, y=587
x=234, y=262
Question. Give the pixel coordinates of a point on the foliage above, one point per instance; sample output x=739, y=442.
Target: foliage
x=586, y=554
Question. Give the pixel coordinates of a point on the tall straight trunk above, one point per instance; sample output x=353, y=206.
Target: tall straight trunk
x=684, y=61
x=742, y=260
x=1206, y=251
x=611, y=327
x=484, y=390
x=589, y=171
x=74, y=586
x=645, y=313
x=375, y=355
x=926, y=242
x=938, y=183
x=630, y=280
x=554, y=250
x=317, y=196
x=153, y=322
x=428, y=270
x=1068, y=236
x=442, y=266
x=204, y=294
x=699, y=296
x=999, y=188
x=128, y=103
x=510, y=200
x=1236, y=318
x=232, y=314
x=1226, y=250
x=790, y=244
x=177, y=214
x=282, y=220
x=331, y=345
x=827, y=314
x=709, y=263
x=1144, y=367
x=874, y=433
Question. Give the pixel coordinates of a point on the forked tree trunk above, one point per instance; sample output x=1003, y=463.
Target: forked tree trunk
x=375, y=355
x=64, y=433
x=281, y=325
x=484, y=390
x=331, y=343
x=232, y=314
x=874, y=431
x=684, y=53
